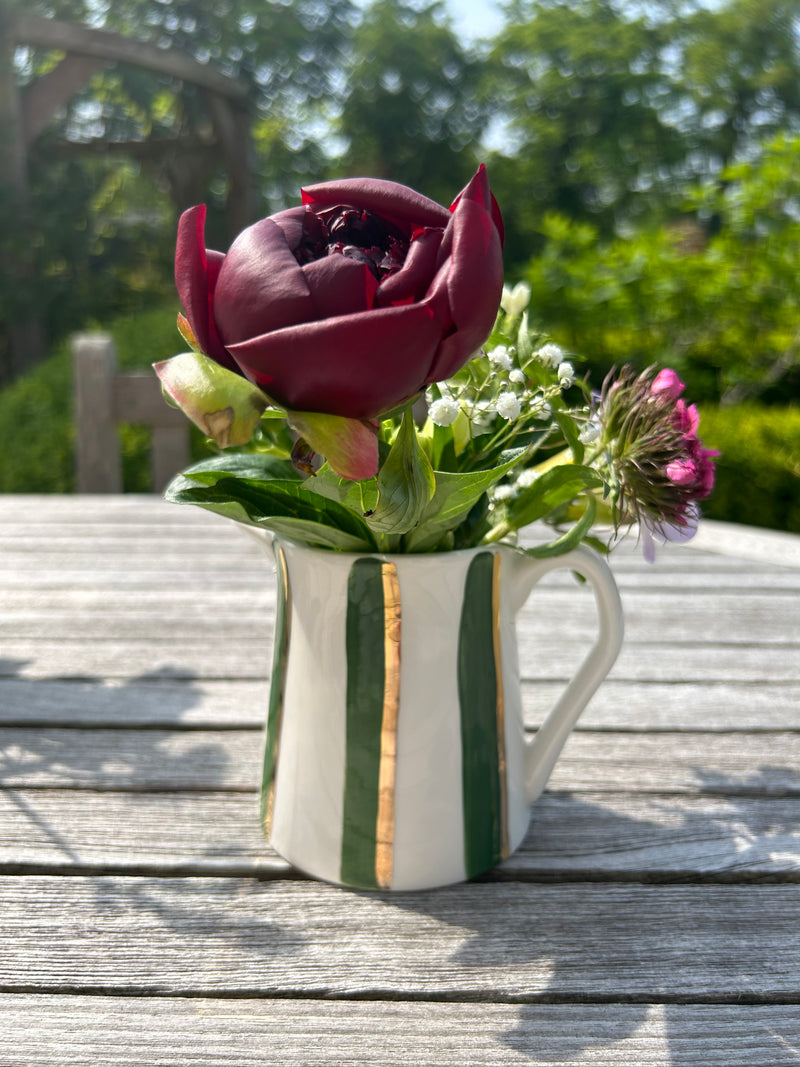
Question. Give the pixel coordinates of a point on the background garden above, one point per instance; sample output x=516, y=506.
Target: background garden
x=646, y=157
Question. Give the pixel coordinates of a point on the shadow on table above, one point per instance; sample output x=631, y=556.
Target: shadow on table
x=118, y=765
x=731, y=831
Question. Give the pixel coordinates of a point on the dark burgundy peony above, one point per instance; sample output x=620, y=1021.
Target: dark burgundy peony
x=353, y=301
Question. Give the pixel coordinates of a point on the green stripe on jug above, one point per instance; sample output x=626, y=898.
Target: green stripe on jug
x=365, y=689
x=477, y=690
x=277, y=685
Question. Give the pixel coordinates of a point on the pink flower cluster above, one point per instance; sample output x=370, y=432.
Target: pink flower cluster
x=651, y=456
x=694, y=470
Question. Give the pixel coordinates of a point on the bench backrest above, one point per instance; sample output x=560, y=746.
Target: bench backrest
x=103, y=399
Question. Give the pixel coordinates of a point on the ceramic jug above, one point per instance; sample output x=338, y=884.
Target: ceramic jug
x=396, y=755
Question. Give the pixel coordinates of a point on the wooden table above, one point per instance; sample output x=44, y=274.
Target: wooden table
x=651, y=917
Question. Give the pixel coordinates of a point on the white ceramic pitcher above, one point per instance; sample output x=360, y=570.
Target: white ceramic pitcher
x=395, y=753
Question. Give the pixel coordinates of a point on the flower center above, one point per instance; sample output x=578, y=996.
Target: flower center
x=356, y=233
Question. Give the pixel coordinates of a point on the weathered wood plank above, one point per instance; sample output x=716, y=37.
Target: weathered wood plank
x=76, y=1031
x=132, y=509
x=159, y=613
x=488, y=941
x=248, y=657
x=722, y=764
x=232, y=703
x=589, y=836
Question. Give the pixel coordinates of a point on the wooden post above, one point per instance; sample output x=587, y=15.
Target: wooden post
x=97, y=452
x=103, y=399
x=25, y=335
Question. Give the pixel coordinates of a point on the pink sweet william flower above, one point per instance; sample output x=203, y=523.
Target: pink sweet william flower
x=651, y=455
x=351, y=302
x=668, y=383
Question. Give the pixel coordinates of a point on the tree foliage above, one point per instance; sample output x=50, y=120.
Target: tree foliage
x=628, y=158
x=724, y=309
x=410, y=111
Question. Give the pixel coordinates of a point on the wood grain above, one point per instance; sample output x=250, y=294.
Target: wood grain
x=649, y=917
x=76, y=1031
x=230, y=759
x=597, y=836
x=485, y=941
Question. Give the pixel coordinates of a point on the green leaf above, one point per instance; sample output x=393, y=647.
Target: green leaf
x=462, y=434
x=455, y=494
x=555, y=487
x=570, y=539
x=405, y=483
x=571, y=432
x=279, y=506
x=524, y=345
x=259, y=465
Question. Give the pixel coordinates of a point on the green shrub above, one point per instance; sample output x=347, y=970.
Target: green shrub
x=758, y=472
x=36, y=424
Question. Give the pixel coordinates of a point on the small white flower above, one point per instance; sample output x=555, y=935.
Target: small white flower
x=508, y=406
x=550, y=353
x=444, y=411
x=540, y=409
x=527, y=477
x=504, y=492
x=516, y=376
x=589, y=433
x=500, y=357
x=566, y=374
x=514, y=301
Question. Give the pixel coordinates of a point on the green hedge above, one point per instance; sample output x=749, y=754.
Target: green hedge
x=36, y=425
x=758, y=473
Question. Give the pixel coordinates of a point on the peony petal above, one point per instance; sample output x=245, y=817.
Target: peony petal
x=470, y=284
x=221, y=403
x=395, y=202
x=412, y=281
x=354, y=365
x=477, y=189
x=349, y=445
x=196, y=275
x=261, y=286
x=340, y=286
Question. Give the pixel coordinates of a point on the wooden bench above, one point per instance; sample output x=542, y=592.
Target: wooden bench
x=104, y=398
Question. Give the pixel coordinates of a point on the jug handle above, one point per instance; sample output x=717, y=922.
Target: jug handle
x=543, y=750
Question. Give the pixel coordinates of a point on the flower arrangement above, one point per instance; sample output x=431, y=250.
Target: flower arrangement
x=373, y=386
